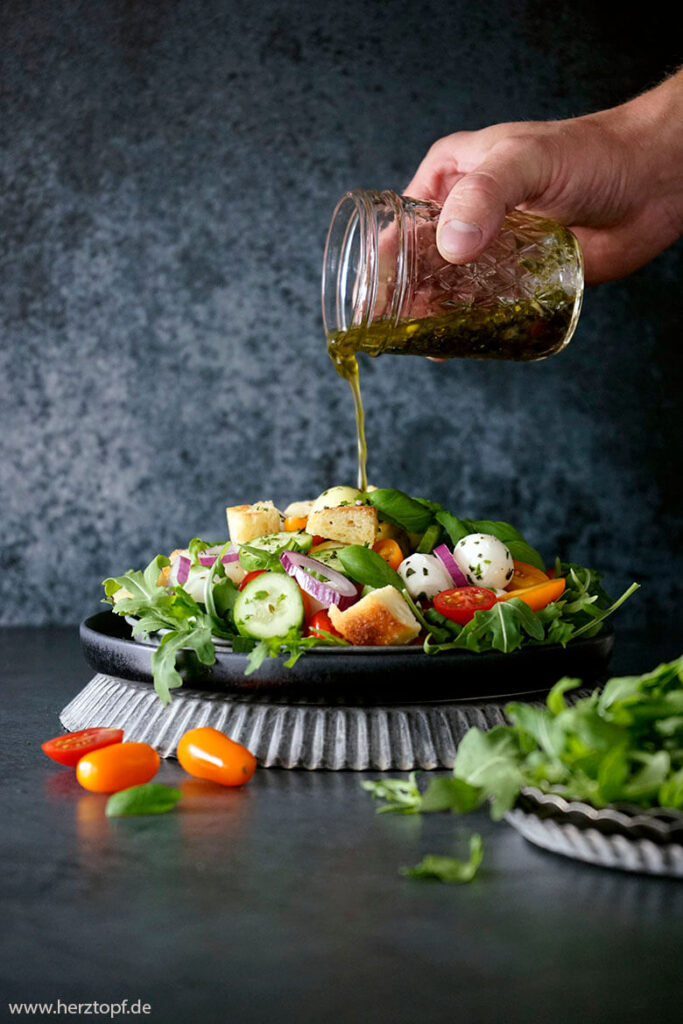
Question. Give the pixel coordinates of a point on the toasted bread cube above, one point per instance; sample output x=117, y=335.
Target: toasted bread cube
x=298, y=509
x=246, y=522
x=349, y=524
x=379, y=619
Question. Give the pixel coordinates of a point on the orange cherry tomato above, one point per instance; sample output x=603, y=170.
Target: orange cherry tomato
x=249, y=577
x=390, y=551
x=118, y=766
x=526, y=575
x=293, y=523
x=71, y=747
x=209, y=754
x=321, y=621
x=540, y=596
x=461, y=603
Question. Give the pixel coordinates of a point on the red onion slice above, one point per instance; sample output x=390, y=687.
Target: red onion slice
x=208, y=560
x=183, y=570
x=445, y=556
x=333, y=589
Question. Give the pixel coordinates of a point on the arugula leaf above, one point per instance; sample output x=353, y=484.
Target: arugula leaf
x=402, y=795
x=449, y=869
x=492, y=761
x=150, y=798
x=252, y=558
x=501, y=628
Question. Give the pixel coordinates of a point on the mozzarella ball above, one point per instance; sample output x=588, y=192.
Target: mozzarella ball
x=424, y=575
x=484, y=560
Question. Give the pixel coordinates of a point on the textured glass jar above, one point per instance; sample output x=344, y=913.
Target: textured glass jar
x=386, y=288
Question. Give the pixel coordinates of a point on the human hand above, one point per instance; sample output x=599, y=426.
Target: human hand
x=613, y=177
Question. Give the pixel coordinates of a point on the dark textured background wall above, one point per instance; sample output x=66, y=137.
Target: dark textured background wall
x=167, y=175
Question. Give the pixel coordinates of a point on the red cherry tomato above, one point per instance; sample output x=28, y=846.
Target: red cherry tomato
x=209, y=754
x=321, y=622
x=71, y=747
x=118, y=766
x=249, y=577
x=461, y=603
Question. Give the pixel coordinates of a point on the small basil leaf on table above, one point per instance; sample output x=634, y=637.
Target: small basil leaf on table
x=150, y=798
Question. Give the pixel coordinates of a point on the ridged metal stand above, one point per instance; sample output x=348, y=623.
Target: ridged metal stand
x=287, y=735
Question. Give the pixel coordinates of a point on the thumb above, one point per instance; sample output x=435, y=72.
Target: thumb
x=473, y=212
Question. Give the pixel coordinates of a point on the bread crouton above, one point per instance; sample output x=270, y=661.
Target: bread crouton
x=246, y=522
x=298, y=509
x=349, y=524
x=379, y=619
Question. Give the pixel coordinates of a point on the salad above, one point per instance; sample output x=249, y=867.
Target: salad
x=364, y=568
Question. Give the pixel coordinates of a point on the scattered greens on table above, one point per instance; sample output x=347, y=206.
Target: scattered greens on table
x=187, y=623
x=623, y=745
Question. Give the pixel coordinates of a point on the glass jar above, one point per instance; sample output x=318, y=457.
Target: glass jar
x=387, y=289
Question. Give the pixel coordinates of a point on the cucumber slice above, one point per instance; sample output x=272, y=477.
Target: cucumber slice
x=330, y=558
x=269, y=606
x=295, y=540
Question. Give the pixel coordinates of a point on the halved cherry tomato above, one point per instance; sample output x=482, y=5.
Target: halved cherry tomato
x=118, y=766
x=461, y=603
x=538, y=597
x=317, y=540
x=249, y=577
x=390, y=551
x=525, y=575
x=71, y=747
x=321, y=622
x=209, y=754
x=293, y=523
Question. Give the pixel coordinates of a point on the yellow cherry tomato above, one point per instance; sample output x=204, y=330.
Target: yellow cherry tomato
x=117, y=766
x=525, y=575
x=390, y=551
x=209, y=754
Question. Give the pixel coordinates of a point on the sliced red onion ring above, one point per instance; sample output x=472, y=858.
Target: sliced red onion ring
x=445, y=556
x=334, y=589
x=229, y=556
x=183, y=570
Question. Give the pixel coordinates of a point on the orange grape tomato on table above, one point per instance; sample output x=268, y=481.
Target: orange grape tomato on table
x=208, y=753
x=118, y=766
x=71, y=747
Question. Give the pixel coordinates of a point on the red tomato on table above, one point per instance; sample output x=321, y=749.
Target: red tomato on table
x=72, y=746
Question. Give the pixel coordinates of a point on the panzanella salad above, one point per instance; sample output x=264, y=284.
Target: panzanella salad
x=374, y=568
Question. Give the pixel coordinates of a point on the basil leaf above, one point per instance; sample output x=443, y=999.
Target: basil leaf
x=449, y=869
x=150, y=798
x=401, y=510
x=368, y=568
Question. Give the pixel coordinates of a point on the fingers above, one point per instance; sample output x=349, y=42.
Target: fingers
x=515, y=171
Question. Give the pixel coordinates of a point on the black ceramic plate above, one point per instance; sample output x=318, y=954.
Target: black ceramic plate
x=369, y=675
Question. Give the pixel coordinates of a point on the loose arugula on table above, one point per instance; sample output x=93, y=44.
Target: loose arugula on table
x=623, y=745
x=185, y=624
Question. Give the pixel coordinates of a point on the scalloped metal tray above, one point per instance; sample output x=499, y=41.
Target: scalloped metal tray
x=622, y=837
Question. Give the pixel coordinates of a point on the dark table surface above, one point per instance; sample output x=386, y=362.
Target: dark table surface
x=284, y=902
